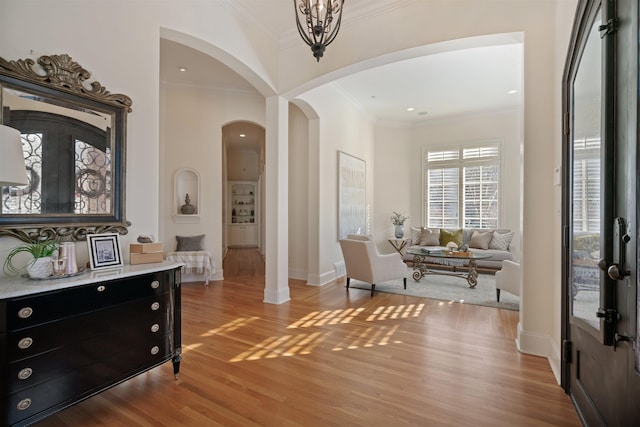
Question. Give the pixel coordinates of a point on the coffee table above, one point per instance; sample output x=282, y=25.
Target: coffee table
x=422, y=258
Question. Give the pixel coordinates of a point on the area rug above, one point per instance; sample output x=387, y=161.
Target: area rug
x=448, y=288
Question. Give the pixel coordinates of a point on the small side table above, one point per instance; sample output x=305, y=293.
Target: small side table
x=399, y=244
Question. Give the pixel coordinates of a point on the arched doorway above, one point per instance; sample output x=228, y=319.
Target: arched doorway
x=243, y=206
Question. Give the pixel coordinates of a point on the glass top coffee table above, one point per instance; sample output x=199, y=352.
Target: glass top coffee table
x=423, y=258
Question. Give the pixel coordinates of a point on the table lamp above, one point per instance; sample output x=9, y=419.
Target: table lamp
x=12, y=168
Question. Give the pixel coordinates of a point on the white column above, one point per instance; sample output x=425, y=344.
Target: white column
x=276, y=202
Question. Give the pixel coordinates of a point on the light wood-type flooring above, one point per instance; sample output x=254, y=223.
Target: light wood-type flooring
x=330, y=357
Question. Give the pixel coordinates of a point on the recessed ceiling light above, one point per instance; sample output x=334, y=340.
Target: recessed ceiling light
x=183, y=69
x=512, y=91
x=242, y=135
x=410, y=109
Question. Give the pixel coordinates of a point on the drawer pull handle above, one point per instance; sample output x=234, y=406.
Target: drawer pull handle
x=155, y=327
x=25, y=312
x=25, y=373
x=155, y=306
x=155, y=350
x=23, y=404
x=101, y=288
x=155, y=284
x=25, y=343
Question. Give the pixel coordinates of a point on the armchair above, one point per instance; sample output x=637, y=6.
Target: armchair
x=508, y=278
x=364, y=262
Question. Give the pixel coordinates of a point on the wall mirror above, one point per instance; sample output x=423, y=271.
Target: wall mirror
x=74, y=143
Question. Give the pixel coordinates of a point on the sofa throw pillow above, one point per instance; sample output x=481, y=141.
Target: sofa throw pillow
x=480, y=240
x=190, y=243
x=447, y=236
x=414, y=234
x=430, y=237
x=501, y=240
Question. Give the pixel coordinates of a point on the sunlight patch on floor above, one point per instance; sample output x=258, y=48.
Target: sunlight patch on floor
x=328, y=317
x=231, y=326
x=287, y=345
x=396, y=312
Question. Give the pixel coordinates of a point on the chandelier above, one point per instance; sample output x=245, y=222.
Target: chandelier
x=318, y=23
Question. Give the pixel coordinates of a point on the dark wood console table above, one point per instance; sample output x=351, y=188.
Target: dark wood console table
x=64, y=340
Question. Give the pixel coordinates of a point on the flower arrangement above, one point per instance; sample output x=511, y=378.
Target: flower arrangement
x=398, y=219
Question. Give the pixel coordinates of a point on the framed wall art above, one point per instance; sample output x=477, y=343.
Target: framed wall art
x=351, y=195
x=104, y=251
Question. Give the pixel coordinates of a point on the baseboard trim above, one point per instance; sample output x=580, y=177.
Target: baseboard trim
x=276, y=296
x=555, y=360
x=540, y=345
x=320, y=279
x=298, y=274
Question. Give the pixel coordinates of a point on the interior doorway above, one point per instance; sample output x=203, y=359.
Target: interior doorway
x=242, y=207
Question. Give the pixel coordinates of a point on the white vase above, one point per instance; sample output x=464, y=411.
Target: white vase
x=41, y=268
x=399, y=231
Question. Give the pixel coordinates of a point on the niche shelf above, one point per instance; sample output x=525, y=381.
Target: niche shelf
x=186, y=181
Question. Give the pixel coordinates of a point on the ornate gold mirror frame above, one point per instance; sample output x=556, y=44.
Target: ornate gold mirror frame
x=76, y=166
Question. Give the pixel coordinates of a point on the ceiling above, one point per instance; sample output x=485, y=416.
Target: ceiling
x=435, y=86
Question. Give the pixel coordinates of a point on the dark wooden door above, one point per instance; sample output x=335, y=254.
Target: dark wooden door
x=600, y=214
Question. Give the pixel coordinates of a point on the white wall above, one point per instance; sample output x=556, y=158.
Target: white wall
x=243, y=165
x=342, y=127
x=298, y=193
x=393, y=177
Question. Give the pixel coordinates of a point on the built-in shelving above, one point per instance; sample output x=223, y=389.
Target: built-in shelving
x=243, y=213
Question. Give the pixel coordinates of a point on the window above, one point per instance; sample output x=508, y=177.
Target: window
x=462, y=186
x=586, y=185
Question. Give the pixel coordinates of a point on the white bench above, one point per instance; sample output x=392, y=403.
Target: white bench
x=196, y=262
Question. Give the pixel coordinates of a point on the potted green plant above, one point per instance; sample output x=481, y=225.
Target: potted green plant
x=40, y=266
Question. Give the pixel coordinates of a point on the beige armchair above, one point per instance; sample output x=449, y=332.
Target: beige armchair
x=508, y=278
x=364, y=262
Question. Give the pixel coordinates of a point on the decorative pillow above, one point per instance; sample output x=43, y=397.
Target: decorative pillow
x=415, y=233
x=480, y=240
x=447, y=236
x=501, y=241
x=190, y=243
x=430, y=237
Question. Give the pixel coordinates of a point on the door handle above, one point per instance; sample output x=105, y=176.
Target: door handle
x=615, y=273
x=613, y=270
x=616, y=270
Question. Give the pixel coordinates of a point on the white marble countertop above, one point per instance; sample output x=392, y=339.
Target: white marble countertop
x=11, y=287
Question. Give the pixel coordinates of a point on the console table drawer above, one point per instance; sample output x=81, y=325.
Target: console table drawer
x=64, y=361
x=83, y=382
x=73, y=331
x=33, y=310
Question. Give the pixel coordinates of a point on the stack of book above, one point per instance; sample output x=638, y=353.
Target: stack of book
x=145, y=253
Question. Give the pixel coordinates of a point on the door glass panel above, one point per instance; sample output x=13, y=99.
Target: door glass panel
x=586, y=178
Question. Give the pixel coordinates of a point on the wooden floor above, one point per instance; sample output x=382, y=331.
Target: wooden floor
x=333, y=358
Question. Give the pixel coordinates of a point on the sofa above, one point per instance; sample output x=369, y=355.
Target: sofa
x=494, y=242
